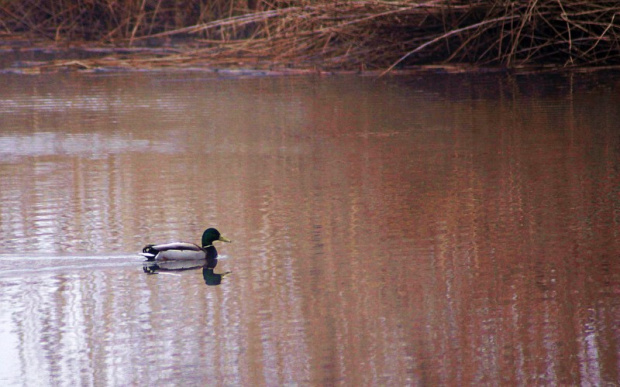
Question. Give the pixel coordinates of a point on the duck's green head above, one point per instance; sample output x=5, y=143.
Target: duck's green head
x=211, y=235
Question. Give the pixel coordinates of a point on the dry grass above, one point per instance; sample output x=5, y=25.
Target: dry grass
x=370, y=34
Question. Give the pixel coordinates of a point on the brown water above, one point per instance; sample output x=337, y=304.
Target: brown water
x=432, y=230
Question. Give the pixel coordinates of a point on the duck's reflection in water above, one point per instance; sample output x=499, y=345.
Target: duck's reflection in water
x=210, y=277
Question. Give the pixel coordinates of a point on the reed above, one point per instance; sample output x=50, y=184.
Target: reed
x=111, y=20
x=364, y=34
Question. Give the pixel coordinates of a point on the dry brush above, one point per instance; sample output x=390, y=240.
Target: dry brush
x=365, y=34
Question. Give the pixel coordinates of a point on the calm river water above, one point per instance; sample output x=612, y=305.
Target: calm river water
x=422, y=230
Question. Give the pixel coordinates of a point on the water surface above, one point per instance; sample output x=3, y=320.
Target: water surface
x=424, y=230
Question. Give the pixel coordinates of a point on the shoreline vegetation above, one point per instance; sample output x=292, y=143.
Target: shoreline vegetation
x=315, y=35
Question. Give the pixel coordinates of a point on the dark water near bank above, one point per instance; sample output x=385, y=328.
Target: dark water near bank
x=432, y=230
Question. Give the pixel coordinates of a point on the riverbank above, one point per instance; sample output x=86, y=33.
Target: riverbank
x=324, y=36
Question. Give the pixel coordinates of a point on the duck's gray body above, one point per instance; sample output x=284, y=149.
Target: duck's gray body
x=174, y=252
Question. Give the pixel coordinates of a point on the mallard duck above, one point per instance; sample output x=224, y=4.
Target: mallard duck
x=185, y=251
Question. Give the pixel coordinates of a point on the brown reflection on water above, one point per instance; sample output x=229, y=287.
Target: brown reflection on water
x=426, y=231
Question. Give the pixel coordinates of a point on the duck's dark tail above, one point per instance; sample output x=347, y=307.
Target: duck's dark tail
x=149, y=252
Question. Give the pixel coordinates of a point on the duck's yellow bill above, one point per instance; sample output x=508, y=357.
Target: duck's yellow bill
x=224, y=239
